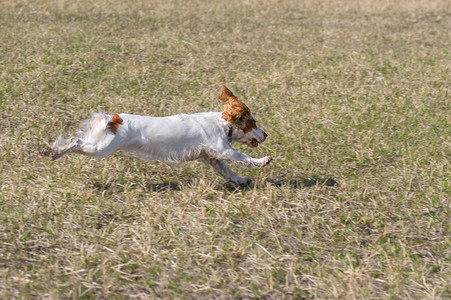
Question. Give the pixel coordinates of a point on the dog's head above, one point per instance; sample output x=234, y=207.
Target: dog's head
x=239, y=116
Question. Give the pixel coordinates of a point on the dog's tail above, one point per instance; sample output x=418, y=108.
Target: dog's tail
x=95, y=127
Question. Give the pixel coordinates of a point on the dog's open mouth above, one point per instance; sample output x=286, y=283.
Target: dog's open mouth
x=254, y=142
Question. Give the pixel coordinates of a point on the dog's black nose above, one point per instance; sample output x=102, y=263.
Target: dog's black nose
x=264, y=135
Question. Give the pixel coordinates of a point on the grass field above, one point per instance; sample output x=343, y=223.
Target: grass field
x=355, y=97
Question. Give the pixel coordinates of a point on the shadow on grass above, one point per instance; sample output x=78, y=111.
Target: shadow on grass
x=149, y=187
x=165, y=186
x=176, y=186
x=305, y=182
x=292, y=183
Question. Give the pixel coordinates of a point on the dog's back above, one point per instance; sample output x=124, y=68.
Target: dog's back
x=171, y=139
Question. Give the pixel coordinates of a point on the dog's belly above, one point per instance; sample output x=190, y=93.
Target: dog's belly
x=170, y=139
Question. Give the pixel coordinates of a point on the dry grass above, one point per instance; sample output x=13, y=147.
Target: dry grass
x=354, y=96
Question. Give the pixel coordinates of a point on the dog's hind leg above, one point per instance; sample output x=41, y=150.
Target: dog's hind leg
x=62, y=146
x=80, y=146
x=97, y=137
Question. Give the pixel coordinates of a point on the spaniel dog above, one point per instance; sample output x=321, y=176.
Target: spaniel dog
x=205, y=136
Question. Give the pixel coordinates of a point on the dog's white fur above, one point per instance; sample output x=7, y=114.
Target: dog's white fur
x=174, y=139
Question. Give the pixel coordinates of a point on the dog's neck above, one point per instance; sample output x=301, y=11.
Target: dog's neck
x=228, y=130
x=230, y=134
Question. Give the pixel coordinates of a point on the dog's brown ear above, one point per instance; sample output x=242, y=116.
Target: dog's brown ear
x=225, y=94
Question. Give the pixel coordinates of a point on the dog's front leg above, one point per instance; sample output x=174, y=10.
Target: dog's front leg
x=222, y=168
x=243, y=159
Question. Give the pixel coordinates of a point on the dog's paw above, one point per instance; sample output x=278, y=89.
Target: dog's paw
x=245, y=181
x=50, y=152
x=47, y=151
x=266, y=160
x=241, y=181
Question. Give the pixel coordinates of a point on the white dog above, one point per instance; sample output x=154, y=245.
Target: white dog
x=174, y=139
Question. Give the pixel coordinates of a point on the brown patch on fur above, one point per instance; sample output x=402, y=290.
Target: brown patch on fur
x=250, y=125
x=235, y=111
x=114, y=123
x=225, y=94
